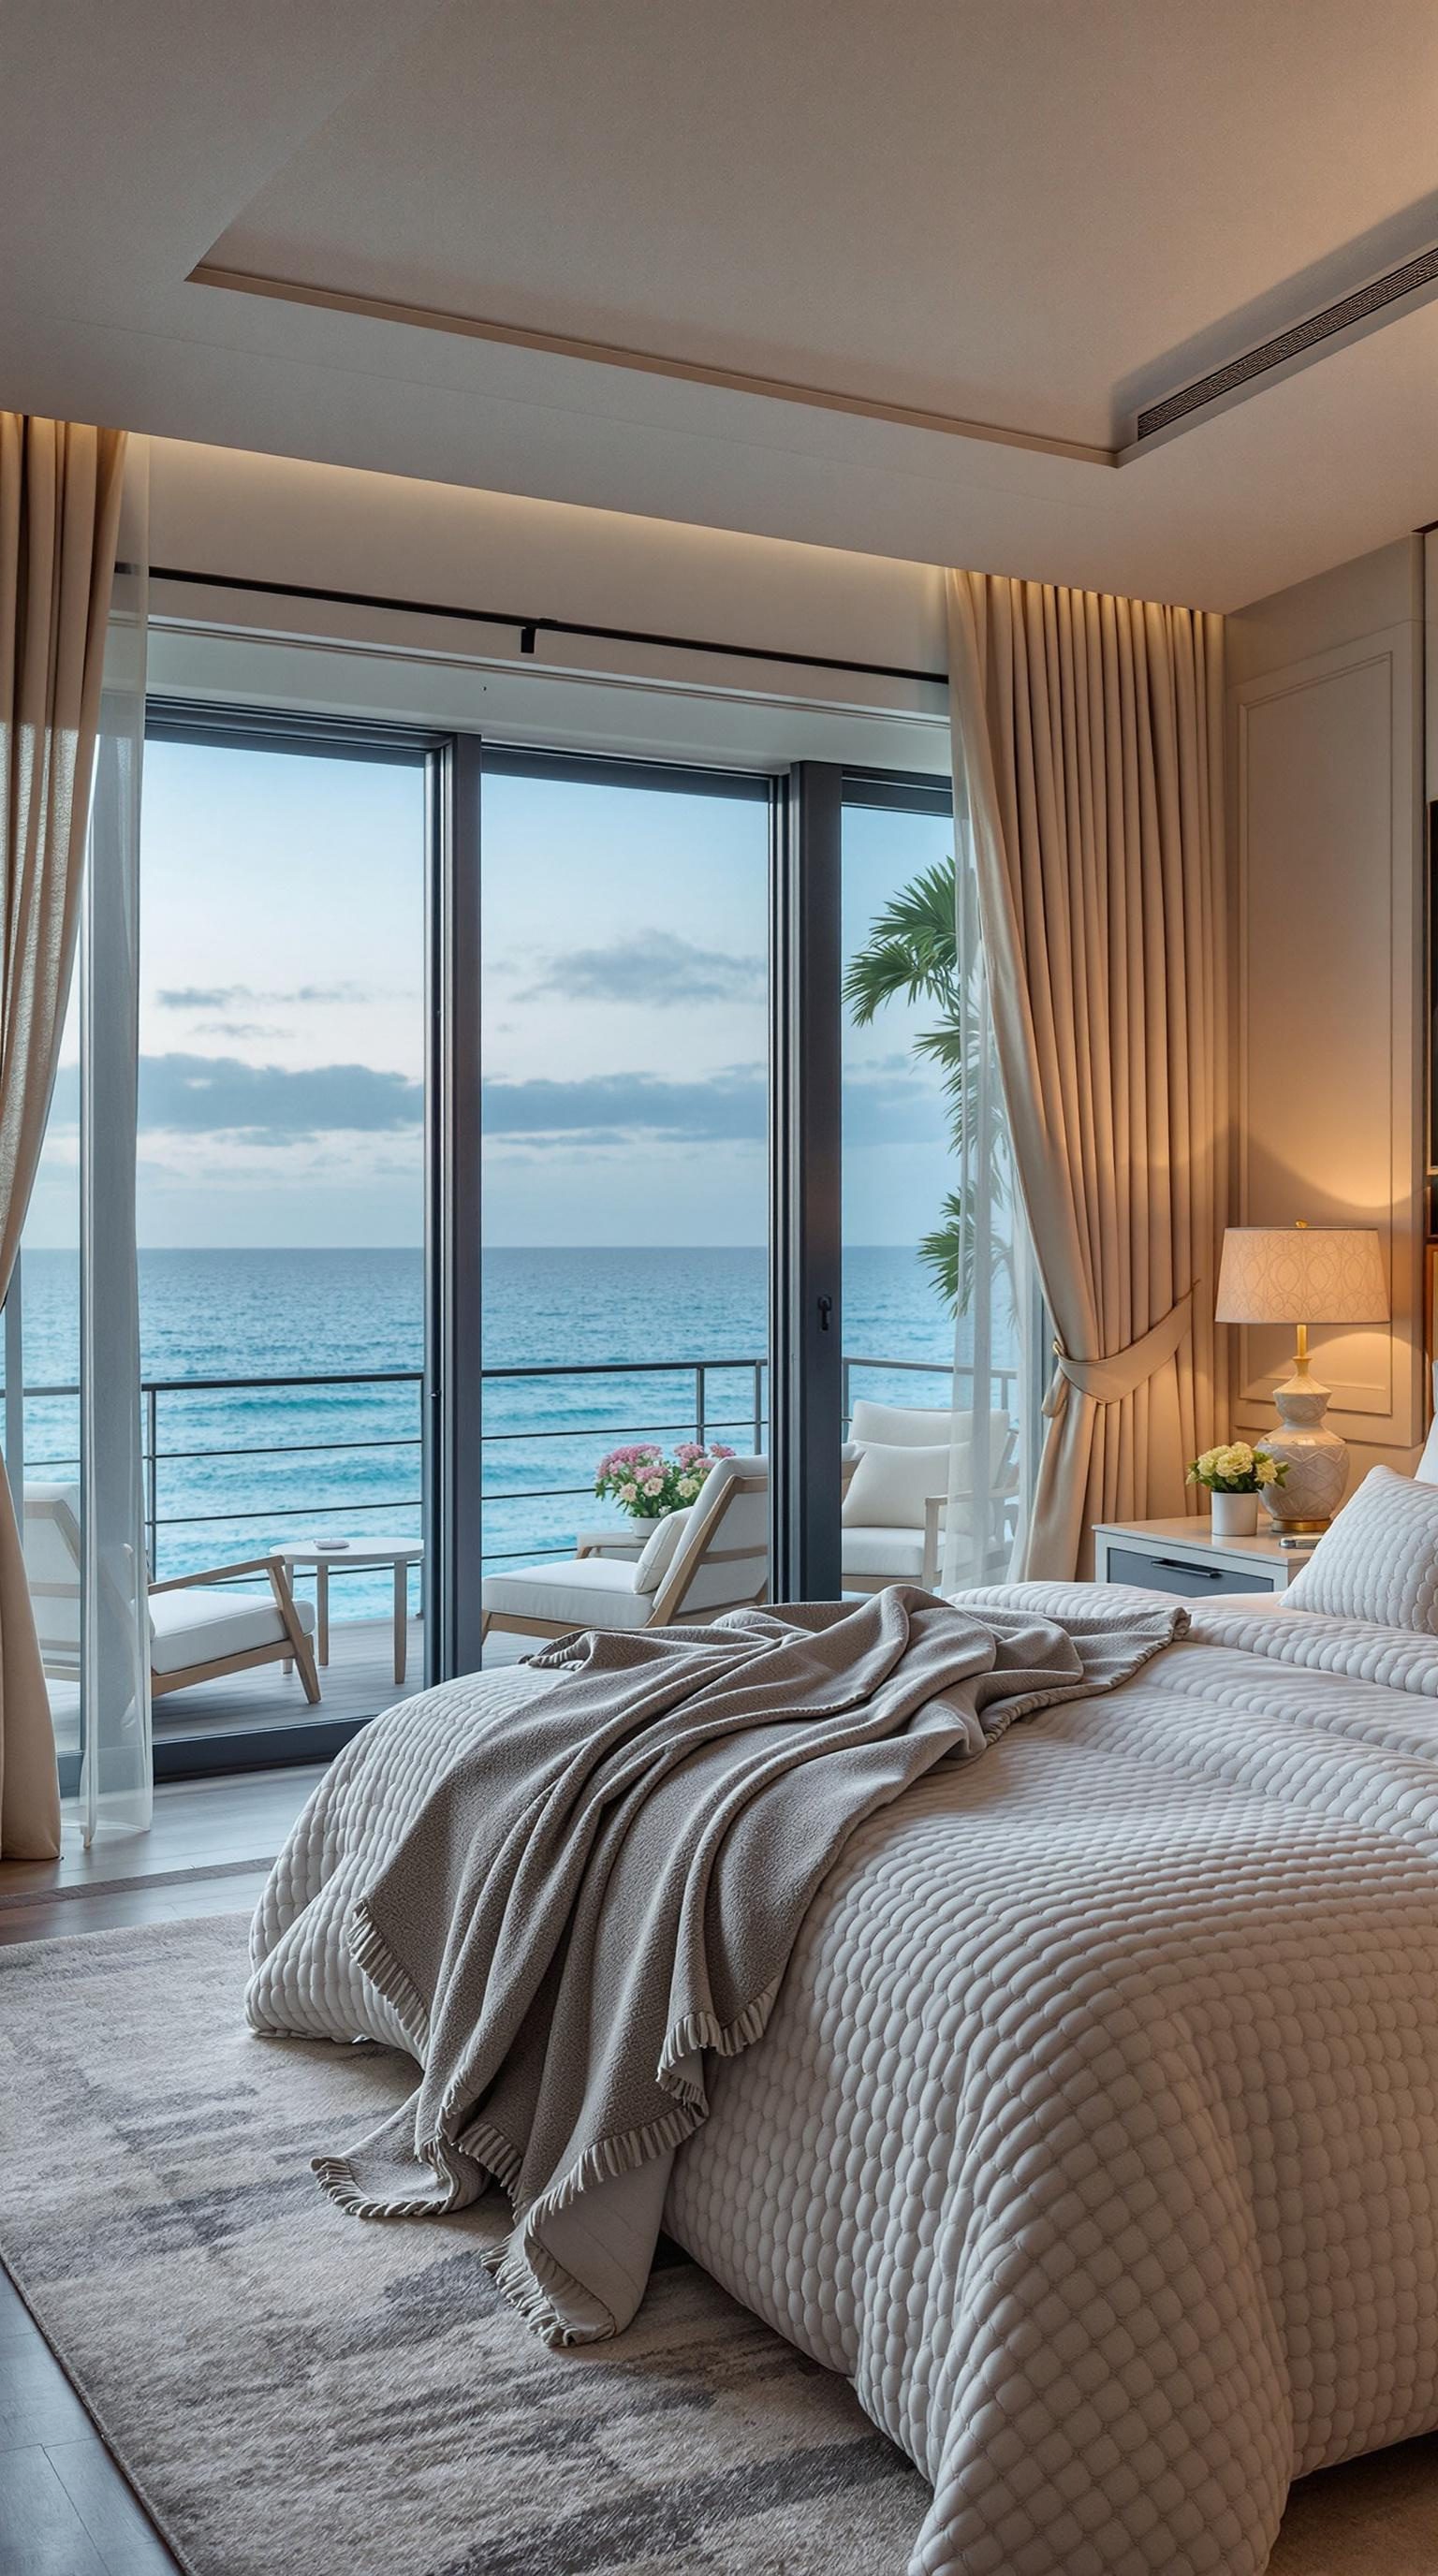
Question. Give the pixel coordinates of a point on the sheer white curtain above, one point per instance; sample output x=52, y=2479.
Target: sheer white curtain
x=115, y=1773
x=992, y=1445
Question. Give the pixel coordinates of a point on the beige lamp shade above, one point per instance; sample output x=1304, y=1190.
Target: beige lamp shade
x=1298, y=1274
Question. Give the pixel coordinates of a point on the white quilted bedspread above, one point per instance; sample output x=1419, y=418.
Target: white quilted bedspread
x=1094, y=2136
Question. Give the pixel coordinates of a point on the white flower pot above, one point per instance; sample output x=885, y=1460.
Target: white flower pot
x=1233, y=1515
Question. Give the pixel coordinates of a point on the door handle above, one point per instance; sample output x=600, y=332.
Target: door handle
x=826, y=1309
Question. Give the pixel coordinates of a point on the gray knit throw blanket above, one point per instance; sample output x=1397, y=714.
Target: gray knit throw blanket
x=611, y=1878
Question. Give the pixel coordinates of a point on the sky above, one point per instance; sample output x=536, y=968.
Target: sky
x=623, y=1015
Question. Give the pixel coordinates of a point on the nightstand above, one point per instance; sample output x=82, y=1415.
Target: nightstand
x=1183, y=1556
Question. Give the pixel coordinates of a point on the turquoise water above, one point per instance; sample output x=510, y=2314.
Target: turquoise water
x=243, y=1468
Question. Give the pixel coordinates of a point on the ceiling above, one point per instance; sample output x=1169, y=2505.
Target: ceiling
x=1025, y=218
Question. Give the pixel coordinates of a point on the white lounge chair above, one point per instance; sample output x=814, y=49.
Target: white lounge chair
x=199, y=1628
x=905, y=1545
x=712, y=1557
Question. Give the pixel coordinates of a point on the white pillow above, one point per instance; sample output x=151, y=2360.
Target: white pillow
x=1379, y=1561
x=889, y=1486
x=905, y=1426
x=659, y=1550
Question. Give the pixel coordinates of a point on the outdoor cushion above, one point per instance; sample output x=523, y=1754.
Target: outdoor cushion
x=582, y=1592
x=889, y=1486
x=905, y=1426
x=896, y=1555
x=659, y=1550
x=202, y=1622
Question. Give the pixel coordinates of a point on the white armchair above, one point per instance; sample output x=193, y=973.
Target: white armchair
x=896, y=1483
x=199, y=1628
x=712, y=1557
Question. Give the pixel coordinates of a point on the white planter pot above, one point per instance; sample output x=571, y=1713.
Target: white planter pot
x=1233, y=1515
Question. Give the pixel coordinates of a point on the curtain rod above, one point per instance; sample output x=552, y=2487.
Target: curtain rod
x=529, y=629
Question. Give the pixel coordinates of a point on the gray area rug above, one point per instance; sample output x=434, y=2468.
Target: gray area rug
x=293, y=2392
x=296, y=2395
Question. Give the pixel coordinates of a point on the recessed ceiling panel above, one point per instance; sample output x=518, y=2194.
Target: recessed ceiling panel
x=1003, y=213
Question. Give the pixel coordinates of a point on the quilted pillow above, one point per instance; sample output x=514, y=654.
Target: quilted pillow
x=890, y=1486
x=1379, y=1561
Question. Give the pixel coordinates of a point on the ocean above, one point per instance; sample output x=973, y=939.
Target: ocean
x=243, y=1467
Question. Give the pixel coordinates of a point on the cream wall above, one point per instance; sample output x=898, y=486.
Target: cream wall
x=244, y=518
x=1326, y=816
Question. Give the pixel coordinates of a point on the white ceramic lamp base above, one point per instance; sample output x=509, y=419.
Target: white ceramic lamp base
x=1317, y=1459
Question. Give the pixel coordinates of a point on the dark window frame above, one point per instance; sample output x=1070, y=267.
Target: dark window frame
x=805, y=1341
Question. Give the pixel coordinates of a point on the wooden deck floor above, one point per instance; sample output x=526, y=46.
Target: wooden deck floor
x=357, y=1682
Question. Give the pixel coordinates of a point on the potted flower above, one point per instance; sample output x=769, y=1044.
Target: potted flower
x=649, y=1486
x=1235, y=1475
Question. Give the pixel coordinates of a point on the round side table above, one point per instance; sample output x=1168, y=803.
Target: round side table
x=400, y=1553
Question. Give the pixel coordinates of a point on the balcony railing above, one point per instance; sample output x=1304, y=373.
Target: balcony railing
x=706, y=1414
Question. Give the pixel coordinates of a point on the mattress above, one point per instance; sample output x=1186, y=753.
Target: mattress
x=1094, y=2135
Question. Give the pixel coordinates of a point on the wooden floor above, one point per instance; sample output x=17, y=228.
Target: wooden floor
x=207, y=1852
x=65, y=2508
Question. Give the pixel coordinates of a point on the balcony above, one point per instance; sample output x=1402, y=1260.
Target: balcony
x=341, y=1453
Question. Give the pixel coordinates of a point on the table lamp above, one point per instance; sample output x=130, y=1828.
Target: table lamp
x=1302, y=1274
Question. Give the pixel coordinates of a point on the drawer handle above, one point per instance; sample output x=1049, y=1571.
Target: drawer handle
x=1185, y=1565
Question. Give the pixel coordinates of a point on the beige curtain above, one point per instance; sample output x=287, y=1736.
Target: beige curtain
x=59, y=517
x=1088, y=747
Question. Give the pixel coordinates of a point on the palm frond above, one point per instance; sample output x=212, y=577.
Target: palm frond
x=912, y=954
x=948, y=1254
x=912, y=950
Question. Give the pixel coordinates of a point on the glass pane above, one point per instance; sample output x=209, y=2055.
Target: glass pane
x=909, y=1372
x=626, y=1186
x=281, y=1224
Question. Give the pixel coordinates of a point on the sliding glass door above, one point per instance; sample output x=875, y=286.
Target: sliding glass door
x=624, y=1316
x=501, y=1111
x=281, y=1197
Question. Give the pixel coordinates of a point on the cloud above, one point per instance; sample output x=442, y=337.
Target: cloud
x=270, y=1103
x=236, y=1029
x=652, y=970
x=728, y=1107
x=203, y=997
x=230, y=997
x=605, y=1107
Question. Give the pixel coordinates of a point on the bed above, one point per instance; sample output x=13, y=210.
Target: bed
x=1094, y=2134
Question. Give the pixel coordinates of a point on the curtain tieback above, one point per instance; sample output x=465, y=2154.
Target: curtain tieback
x=1109, y=1380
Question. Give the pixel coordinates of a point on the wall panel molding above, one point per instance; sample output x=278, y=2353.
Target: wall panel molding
x=1327, y=817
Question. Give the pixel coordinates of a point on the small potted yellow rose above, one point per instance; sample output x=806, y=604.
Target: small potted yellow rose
x=1235, y=1475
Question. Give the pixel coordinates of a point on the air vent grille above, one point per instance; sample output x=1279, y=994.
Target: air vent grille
x=1359, y=307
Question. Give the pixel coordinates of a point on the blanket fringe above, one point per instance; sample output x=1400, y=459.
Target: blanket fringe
x=336, y=2176
x=499, y=2155
x=699, y=2030
x=525, y=2270
x=373, y=1956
